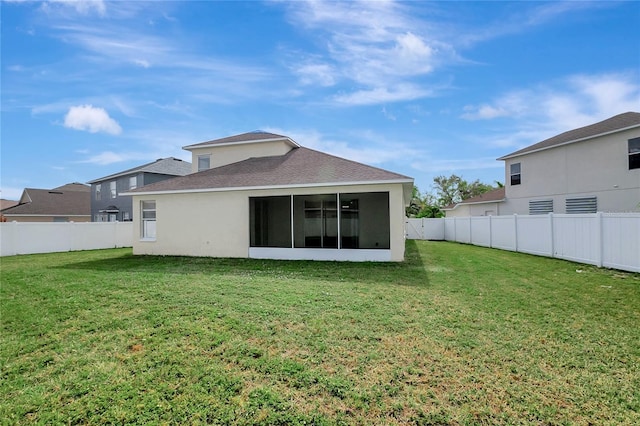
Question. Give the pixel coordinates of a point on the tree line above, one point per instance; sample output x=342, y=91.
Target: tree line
x=445, y=192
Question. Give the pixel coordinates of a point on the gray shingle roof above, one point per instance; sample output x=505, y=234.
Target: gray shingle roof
x=494, y=195
x=53, y=202
x=257, y=136
x=615, y=123
x=164, y=166
x=300, y=166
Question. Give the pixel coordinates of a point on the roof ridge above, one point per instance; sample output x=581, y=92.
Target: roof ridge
x=616, y=123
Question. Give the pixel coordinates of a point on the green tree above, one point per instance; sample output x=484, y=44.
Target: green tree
x=423, y=205
x=454, y=189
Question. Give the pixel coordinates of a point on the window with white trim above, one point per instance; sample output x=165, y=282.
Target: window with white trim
x=514, y=170
x=148, y=214
x=98, y=192
x=112, y=189
x=204, y=162
x=133, y=182
x=634, y=153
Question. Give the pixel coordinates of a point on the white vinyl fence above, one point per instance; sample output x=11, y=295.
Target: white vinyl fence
x=611, y=240
x=39, y=237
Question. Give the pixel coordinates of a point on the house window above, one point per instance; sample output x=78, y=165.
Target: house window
x=515, y=174
x=126, y=217
x=148, y=220
x=540, y=206
x=334, y=221
x=112, y=189
x=634, y=153
x=582, y=205
x=204, y=162
x=98, y=192
x=133, y=182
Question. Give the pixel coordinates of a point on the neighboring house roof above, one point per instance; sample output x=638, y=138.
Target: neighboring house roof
x=494, y=196
x=5, y=204
x=627, y=120
x=299, y=167
x=52, y=202
x=163, y=166
x=250, y=137
x=75, y=186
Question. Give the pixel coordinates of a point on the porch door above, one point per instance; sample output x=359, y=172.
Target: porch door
x=321, y=221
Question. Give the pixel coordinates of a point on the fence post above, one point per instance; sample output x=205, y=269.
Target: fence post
x=490, y=231
x=515, y=231
x=553, y=237
x=600, y=239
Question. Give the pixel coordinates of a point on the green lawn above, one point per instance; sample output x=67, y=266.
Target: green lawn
x=455, y=335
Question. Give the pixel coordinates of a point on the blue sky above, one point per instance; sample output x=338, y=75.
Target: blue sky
x=91, y=88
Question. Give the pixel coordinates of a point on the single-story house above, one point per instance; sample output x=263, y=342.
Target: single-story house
x=487, y=204
x=262, y=195
x=67, y=203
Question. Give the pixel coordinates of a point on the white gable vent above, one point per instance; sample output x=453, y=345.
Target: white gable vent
x=540, y=206
x=582, y=205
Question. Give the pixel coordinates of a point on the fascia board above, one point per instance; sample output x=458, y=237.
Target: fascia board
x=506, y=157
x=267, y=187
x=213, y=145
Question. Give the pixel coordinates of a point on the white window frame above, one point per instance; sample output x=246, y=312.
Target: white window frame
x=203, y=157
x=148, y=220
x=98, y=191
x=113, y=189
x=513, y=174
x=133, y=182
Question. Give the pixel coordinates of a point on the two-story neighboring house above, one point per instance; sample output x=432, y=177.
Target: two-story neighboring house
x=107, y=203
x=591, y=169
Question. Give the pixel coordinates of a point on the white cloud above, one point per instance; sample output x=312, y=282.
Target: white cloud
x=483, y=112
x=105, y=158
x=366, y=147
x=379, y=45
x=82, y=7
x=555, y=107
x=570, y=102
x=91, y=119
x=379, y=95
x=316, y=73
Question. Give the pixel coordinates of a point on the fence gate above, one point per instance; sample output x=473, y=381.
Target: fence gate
x=414, y=229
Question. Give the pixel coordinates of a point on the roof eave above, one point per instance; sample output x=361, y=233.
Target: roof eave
x=246, y=142
x=516, y=154
x=266, y=187
x=462, y=203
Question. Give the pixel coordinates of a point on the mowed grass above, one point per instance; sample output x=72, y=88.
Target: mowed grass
x=455, y=335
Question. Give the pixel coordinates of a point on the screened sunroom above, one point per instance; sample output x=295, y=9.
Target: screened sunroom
x=330, y=222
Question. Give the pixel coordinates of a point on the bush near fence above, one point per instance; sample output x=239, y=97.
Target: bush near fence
x=39, y=237
x=610, y=240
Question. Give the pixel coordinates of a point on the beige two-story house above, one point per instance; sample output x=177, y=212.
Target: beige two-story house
x=591, y=169
x=262, y=195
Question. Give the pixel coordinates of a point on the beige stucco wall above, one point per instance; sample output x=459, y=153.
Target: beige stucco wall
x=227, y=154
x=483, y=209
x=216, y=224
x=598, y=167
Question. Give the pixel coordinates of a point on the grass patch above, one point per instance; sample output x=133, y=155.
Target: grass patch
x=456, y=334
